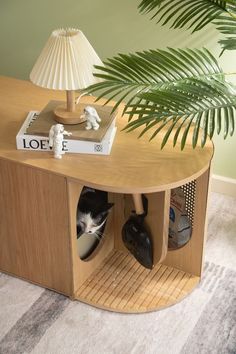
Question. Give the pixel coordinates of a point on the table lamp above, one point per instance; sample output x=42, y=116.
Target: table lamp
x=66, y=63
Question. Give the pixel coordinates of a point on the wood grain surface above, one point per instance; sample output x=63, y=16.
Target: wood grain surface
x=34, y=233
x=134, y=165
x=120, y=284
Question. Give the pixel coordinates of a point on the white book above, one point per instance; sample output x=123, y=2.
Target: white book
x=26, y=141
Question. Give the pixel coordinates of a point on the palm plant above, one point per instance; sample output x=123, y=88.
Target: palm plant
x=176, y=89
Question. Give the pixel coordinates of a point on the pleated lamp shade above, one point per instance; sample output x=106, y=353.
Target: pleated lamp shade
x=66, y=63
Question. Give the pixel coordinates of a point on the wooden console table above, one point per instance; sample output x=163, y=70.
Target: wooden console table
x=39, y=196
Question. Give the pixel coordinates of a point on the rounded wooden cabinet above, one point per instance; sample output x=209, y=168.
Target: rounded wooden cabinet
x=39, y=197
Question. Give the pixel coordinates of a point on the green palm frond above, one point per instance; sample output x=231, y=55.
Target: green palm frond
x=226, y=24
x=126, y=75
x=172, y=89
x=194, y=14
x=197, y=103
x=228, y=43
x=231, y=6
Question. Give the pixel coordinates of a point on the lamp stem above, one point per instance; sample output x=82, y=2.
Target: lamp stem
x=70, y=97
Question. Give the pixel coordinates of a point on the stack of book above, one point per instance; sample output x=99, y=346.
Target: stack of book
x=33, y=134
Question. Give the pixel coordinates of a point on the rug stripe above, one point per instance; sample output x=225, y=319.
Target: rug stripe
x=212, y=275
x=215, y=331
x=29, y=329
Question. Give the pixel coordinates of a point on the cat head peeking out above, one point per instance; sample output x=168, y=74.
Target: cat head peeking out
x=92, y=212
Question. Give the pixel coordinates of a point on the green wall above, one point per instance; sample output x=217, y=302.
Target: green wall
x=111, y=27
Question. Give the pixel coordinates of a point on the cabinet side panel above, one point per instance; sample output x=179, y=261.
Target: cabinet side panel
x=83, y=269
x=34, y=233
x=190, y=257
x=158, y=222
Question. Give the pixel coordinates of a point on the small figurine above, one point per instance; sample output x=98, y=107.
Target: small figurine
x=56, y=137
x=92, y=118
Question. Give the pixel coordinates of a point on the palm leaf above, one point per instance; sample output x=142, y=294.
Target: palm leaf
x=194, y=14
x=228, y=43
x=172, y=89
x=129, y=75
x=196, y=103
x=226, y=24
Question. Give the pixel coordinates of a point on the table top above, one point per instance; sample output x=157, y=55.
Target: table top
x=134, y=165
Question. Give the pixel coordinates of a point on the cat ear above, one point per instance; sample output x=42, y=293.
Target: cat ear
x=109, y=206
x=106, y=208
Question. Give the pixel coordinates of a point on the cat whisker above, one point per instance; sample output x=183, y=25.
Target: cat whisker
x=98, y=236
x=104, y=234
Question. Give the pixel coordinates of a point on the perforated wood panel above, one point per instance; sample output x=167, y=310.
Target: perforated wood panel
x=189, y=190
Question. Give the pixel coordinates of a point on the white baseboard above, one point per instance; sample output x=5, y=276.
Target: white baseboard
x=223, y=185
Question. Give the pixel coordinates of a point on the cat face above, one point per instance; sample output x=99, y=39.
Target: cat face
x=91, y=223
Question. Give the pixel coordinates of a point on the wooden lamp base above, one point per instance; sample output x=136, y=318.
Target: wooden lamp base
x=63, y=116
x=69, y=113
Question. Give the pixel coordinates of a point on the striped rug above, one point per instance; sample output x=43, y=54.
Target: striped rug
x=38, y=321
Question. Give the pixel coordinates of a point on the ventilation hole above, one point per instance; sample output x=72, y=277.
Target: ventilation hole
x=189, y=190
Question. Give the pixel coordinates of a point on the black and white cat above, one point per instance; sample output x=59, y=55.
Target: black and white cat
x=92, y=212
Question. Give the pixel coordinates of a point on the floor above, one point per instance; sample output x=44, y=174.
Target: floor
x=38, y=321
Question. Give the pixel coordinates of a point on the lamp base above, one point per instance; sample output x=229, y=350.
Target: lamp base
x=64, y=117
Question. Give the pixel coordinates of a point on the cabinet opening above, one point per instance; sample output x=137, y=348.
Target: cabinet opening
x=93, y=210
